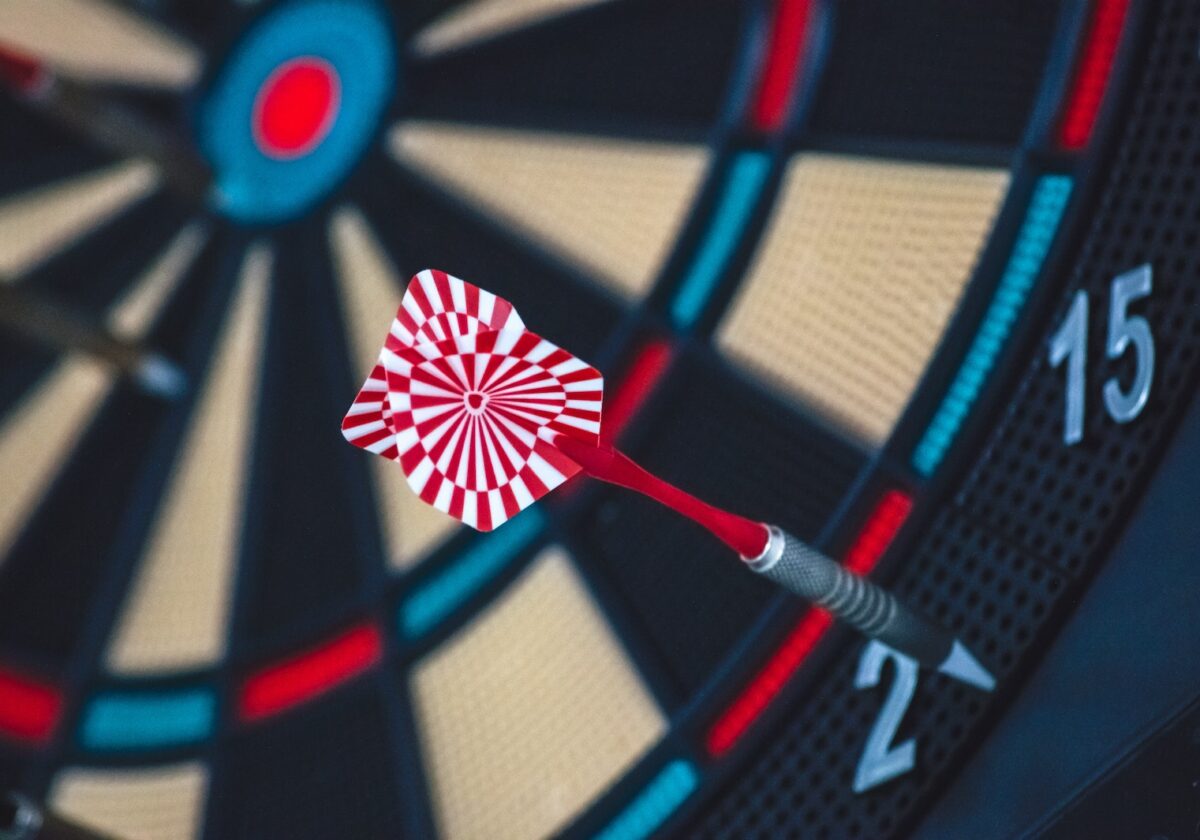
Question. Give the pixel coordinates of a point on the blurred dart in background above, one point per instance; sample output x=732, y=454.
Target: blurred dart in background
x=486, y=417
x=53, y=325
x=96, y=112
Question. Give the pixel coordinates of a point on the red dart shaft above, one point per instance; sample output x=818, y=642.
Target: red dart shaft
x=746, y=537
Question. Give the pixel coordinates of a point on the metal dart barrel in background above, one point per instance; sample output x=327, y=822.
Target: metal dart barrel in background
x=874, y=611
x=23, y=819
x=53, y=325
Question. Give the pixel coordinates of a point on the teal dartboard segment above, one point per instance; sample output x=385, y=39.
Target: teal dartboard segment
x=148, y=720
x=655, y=803
x=1050, y=196
x=743, y=184
x=428, y=605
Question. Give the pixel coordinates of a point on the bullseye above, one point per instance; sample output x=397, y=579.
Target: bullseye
x=296, y=107
x=294, y=104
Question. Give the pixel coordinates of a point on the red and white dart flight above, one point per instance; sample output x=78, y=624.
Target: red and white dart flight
x=486, y=417
x=466, y=399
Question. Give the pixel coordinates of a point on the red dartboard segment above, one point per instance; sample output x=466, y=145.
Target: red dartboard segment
x=465, y=398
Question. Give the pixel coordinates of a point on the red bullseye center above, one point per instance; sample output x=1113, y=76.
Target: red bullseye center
x=296, y=107
x=475, y=399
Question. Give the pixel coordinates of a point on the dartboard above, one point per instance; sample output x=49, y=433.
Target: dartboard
x=915, y=281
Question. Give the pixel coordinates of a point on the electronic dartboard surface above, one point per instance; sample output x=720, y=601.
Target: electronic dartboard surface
x=915, y=280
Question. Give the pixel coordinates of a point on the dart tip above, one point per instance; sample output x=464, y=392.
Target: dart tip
x=962, y=665
x=160, y=377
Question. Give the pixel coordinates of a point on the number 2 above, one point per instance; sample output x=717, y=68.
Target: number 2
x=881, y=761
x=1070, y=343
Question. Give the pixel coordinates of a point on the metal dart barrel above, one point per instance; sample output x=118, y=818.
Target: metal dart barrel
x=874, y=611
x=53, y=325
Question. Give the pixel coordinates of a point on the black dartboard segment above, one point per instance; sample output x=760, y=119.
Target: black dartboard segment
x=986, y=66
x=601, y=70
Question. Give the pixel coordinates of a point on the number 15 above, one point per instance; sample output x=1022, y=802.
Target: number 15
x=1070, y=344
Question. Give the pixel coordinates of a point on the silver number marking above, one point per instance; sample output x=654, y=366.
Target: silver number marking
x=1070, y=342
x=881, y=761
x=1125, y=329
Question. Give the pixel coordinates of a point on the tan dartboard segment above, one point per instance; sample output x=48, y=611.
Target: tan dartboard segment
x=861, y=265
x=482, y=19
x=99, y=41
x=530, y=711
x=38, y=223
x=154, y=803
x=611, y=207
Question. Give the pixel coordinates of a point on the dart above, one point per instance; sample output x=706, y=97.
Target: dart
x=485, y=417
x=88, y=111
